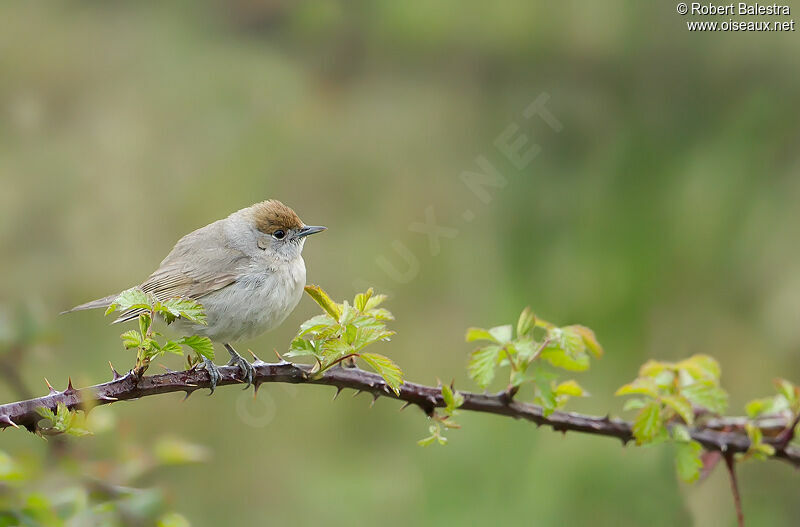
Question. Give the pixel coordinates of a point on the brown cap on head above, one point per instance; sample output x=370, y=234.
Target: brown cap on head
x=272, y=215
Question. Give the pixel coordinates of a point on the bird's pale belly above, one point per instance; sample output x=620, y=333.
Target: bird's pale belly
x=252, y=305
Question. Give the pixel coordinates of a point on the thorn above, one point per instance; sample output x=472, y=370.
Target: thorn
x=7, y=420
x=107, y=398
x=114, y=372
x=438, y=381
x=50, y=387
x=280, y=357
x=256, y=360
x=168, y=370
x=188, y=393
x=338, y=391
x=357, y=392
x=431, y=399
x=256, y=386
x=69, y=389
x=406, y=405
x=374, y=398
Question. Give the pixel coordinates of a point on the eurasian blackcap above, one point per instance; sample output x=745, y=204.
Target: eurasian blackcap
x=246, y=270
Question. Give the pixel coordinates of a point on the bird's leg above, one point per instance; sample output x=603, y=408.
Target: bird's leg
x=213, y=373
x=238, y=360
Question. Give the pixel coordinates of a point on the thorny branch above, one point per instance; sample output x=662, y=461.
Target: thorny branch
x=721, y=435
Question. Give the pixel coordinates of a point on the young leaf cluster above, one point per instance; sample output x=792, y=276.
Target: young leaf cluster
x=62, y=421
x=342, y=333
x=146, y=342
x=670, y=395
x=673, y=391
x=443, y=418
x=535, y=344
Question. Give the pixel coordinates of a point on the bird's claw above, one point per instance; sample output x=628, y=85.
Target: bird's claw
x=245, y=367
x=213, y=374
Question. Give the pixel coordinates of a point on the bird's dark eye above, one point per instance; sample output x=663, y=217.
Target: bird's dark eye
x=279, y=234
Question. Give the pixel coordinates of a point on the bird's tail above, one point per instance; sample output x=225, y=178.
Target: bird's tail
x=94, y=304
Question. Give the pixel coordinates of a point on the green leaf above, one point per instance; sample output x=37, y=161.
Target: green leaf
x=315, y=324
x=387, y=369
x=374, y=301
x=201, y=345
x=501, y=334
x=526, y=322
x=172, y=347
x=589, y=339
x=133, y=298
x=788, y=390
x=185, y=308
x=634, y=404
x=361, y=299
x=707, y=395
x=474, y=334
x=300, y=347
x=482, y=364
x=561, y=358
x=144, y=322
x=681, y=406
x=571, y=388
x=701, y=367
x=766, y=406
x=648, y=423
x=688, y=462
x=324, y=301
x=644, y=386
x=131, y=339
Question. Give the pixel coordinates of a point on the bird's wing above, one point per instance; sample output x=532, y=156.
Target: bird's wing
x=199, y=264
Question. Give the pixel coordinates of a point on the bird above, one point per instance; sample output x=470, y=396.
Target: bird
x=247, y=271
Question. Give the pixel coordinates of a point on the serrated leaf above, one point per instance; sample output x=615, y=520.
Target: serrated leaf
x=482, y=363
x=651, y=368
x=589, y=339
x=681, y=433
x=501, y=334
x=681, y=406
x=133, y=298
x=688, y=462
x=172, y=347
x=474, y=334
x=701, y=367
x=386, y=368
x=131, y=339
x=185, y=308
x=361, y=299
x=315, y=324
x=707, y=395
x=647, y=423
x=201, y=345
x=324, y=301
x=374, y=301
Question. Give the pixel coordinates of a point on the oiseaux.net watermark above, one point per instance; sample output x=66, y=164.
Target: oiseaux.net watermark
x=751, y=17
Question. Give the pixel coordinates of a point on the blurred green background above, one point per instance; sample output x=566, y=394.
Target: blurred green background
x=664, y=215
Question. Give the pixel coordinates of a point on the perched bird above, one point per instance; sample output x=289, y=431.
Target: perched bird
x=246, y=270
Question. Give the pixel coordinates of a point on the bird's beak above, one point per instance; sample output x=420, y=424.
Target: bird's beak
x=309, y=229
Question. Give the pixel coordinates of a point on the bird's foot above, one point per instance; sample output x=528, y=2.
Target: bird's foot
x=213, y=373
x=245, y=367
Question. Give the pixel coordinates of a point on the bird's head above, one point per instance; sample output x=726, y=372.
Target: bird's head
x=280, y=229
